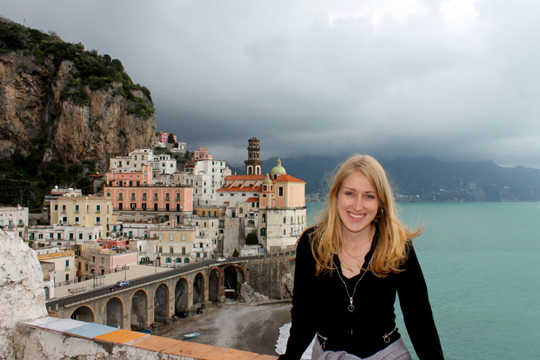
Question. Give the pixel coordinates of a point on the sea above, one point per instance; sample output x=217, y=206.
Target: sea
x=481, y=262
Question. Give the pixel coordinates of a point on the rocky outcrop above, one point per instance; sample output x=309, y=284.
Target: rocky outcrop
x=250, y=296
x=21, y=290
x=34, y=109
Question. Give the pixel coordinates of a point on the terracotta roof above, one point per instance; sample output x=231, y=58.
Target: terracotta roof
x=253, y=200
x=288, y=178
x=245, y=177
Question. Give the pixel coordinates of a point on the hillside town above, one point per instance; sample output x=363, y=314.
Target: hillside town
x=154, y=212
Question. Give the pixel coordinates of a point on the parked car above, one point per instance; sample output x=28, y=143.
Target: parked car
x=122, y=283
x=221, y=259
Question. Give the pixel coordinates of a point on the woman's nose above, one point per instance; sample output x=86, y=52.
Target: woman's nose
x=358, y=204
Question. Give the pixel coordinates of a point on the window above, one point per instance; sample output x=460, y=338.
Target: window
x=63, y=208
x=144, y=196
x=67, y=263
x=171, y=237
x=76, y=208
x=183, y=237
x=132, y=196
x=292, y=220
x=284, y=220
x=55, y=207
x=171, y=249
x=284, y=232
x=120, y=196
x=167, y=197
x=281, y=191
x=155, y=196
x=80, y=236
x=98, y=220
x=76, y=220
x=102, y=261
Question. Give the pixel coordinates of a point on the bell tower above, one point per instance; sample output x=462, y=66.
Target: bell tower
x=253, y=163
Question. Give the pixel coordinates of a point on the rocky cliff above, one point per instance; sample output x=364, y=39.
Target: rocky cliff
x=59, y=103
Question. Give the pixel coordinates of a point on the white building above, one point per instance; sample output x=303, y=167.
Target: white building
x=136, y=159
x=14, y=219
x=59, y=234
x=206, y=177
x=63, y=261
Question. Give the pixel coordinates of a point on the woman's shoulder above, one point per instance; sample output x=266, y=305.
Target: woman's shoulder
x=307, y=236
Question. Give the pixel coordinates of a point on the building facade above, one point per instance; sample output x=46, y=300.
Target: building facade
x=81, y=212
x=272, y=206
x=14, y=219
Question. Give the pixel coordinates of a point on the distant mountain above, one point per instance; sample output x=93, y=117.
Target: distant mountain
x=427, y=179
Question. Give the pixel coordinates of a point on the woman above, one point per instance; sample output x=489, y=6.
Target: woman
x=349, y=268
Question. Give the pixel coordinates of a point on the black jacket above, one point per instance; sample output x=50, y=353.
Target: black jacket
x=320, y=305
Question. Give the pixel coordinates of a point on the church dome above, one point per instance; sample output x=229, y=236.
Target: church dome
x=278, y=169
x=267, y=181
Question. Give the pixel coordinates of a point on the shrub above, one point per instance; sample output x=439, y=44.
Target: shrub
x=252, y=239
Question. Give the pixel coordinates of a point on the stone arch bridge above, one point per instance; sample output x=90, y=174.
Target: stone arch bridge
x=161, y=297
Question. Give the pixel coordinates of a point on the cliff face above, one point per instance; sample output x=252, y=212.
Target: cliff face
x=35, y=111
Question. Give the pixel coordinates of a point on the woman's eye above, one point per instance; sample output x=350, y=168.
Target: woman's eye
x=348, y=193
x=370, y=196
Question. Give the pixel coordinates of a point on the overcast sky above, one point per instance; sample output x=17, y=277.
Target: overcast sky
x=456, y=80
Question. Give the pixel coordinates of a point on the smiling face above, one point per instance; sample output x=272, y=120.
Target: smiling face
x=357, y=205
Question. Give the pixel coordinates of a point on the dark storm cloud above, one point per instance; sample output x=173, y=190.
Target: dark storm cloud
x=453, y=79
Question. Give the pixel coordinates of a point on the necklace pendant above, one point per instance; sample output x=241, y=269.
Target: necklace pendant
x=351, y=308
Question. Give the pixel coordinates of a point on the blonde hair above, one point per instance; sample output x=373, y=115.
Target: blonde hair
x=394, y=237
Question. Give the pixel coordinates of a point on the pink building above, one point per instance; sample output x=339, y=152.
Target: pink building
x=134, y=178
x=108, y=261
x=113, y=243
x=163, y=137
x=133, y=194
x=202, y=154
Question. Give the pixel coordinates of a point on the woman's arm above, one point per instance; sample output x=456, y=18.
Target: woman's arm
x=302, y=313
x=414, y=301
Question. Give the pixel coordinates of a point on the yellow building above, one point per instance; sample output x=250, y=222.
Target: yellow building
x=83, y=211
x=64, y=264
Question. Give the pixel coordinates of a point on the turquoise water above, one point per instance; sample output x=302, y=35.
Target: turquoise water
x=482, y=265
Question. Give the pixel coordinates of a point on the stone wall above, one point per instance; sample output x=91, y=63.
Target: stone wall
x=265, y=275
x=233, y=231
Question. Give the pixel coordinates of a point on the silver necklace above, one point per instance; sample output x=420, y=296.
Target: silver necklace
x=351, y=298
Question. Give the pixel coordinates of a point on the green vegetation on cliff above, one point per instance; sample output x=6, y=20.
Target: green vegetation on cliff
x=95, y=72
x=47, y=78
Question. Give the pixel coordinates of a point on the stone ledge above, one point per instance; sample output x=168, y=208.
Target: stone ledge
x=55, y=338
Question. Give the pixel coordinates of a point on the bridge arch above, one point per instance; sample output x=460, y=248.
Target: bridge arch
x=139, y=308
x=83, y=313
x=181, y=297
x=214, y=285
x=113, y=312
x=233, y=276
x=161, y=303
x=198, y=288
